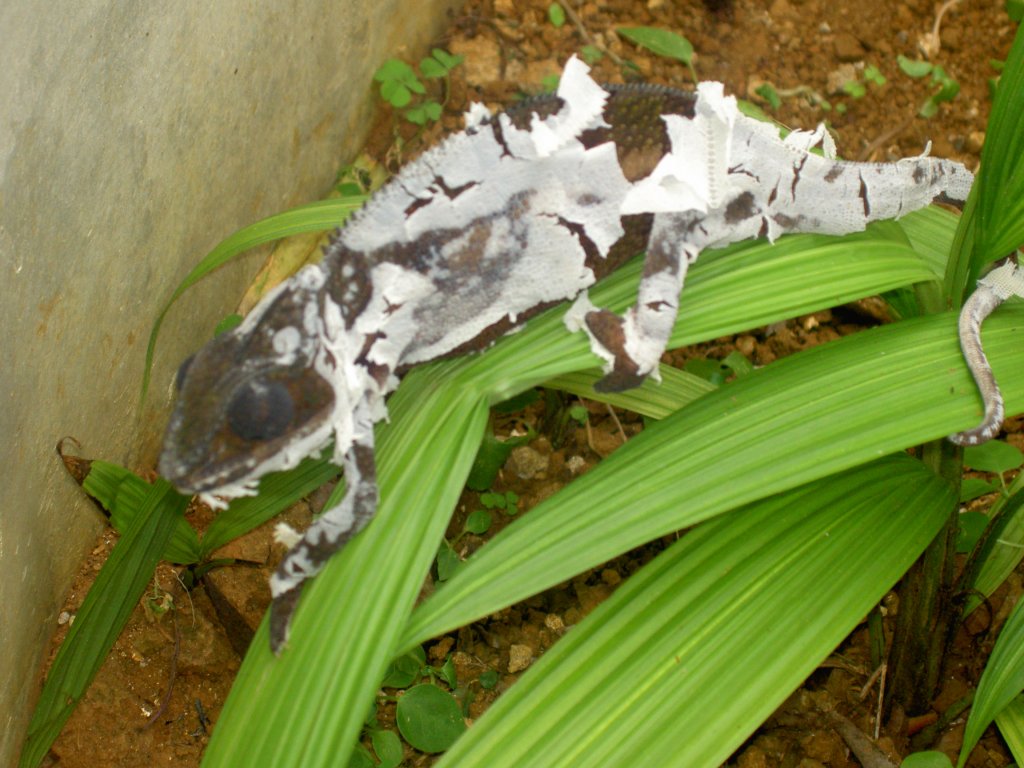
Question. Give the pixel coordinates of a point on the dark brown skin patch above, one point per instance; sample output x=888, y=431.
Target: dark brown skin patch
x=741, y=208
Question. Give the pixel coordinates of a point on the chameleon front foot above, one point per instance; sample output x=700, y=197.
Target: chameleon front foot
x=608, y=329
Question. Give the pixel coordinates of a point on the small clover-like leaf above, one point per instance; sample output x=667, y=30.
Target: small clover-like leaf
x=388, y=747
x=478, y=522
x=447, y=562
x=405, y=669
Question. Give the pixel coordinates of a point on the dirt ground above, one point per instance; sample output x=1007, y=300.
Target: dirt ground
x=161, y=689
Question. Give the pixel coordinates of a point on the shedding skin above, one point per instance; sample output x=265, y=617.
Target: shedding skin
x=519, y=212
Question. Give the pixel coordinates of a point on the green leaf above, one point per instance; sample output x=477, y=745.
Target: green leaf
x=1011, y=725
x=447, y=562
x=767, y=92
x=104, y=612
x=478, y=522
x=124, y=494
x=993, y=456
x=395, y=93
x=915, y=69
x=556, y=15
x=972, y=526
x=488, y=680
x=404, y=670
x=929, y=759
x=973, y=487
x=1000, y=183
x=686, y=639
x=428, y=718
x=388, y=747
x=361, y=758
x=1001, y=682
x=663, y=42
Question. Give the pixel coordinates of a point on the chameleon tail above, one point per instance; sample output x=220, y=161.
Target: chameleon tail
x=993, y=289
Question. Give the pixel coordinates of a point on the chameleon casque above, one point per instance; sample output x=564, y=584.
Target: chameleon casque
x=518, y=212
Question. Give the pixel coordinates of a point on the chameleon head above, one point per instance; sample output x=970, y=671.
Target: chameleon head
x=254, y=400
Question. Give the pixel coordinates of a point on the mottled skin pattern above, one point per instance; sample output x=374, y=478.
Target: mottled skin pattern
x=519, y=212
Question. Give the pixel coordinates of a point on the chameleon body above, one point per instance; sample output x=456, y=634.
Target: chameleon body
x=520, y=211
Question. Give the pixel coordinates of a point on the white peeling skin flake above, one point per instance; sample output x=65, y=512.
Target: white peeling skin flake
x=518, y=212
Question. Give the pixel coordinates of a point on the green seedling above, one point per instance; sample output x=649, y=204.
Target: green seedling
x=477, y=523
x=549, y=83
x=719, y=371
x=591, y=54
x=946, y=90
x=767, y=92
x=556, y=15
x=507, y=502
x=488, y=680
x=428, y=717
x=579, y=414
x=403, y=89
x=663, y=42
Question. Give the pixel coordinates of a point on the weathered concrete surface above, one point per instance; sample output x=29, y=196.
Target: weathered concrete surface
x=132, y=138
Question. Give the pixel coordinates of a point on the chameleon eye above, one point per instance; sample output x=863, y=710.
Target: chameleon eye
x=179, y=377
x=260, y=410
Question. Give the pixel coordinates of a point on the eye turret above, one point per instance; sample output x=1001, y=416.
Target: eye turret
x=261, y=409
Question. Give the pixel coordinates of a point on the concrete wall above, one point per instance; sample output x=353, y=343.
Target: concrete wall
x=133, y=136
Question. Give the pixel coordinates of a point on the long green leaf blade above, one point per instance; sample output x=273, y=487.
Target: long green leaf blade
x=1011, y=726
x=1000, y=211
x=686, y=659
x=1001, y=682
x=810, y=415
x=102, y=616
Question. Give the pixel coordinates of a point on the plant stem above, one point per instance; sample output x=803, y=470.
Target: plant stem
x=928, y=615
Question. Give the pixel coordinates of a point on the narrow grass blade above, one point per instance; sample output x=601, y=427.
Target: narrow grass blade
x=102, y=616
x=694, y=651
x=1001, y=682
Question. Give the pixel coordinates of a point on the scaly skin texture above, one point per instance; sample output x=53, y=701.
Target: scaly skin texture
x=518, y=212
